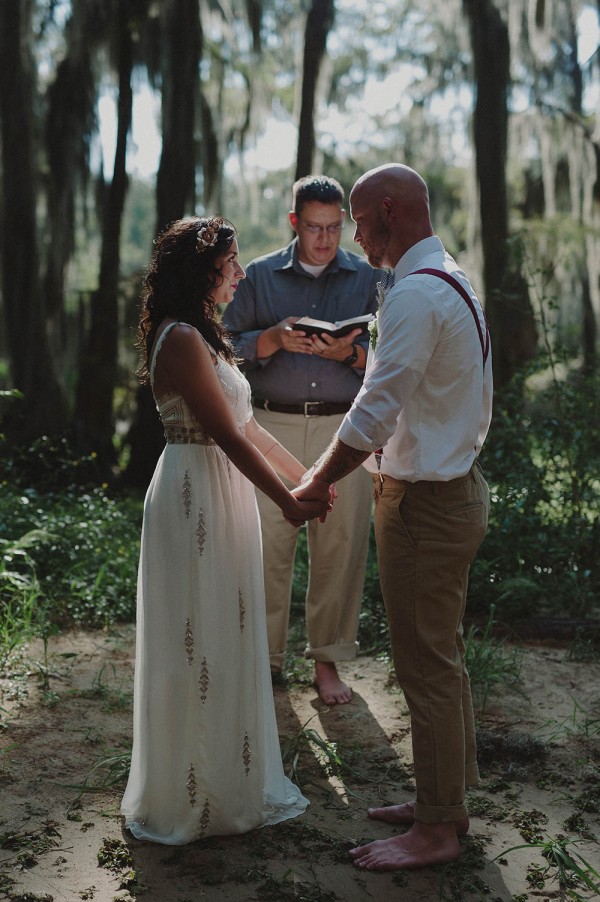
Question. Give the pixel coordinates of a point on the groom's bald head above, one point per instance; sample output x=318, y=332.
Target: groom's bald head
x=390, y=205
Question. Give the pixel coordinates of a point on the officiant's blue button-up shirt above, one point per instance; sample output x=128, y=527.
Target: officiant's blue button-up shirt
x=276, y=286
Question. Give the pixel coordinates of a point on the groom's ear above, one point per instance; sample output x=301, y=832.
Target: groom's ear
x=293, y=220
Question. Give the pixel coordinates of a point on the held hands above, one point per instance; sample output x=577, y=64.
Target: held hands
x=331, y=348
x=311, y=500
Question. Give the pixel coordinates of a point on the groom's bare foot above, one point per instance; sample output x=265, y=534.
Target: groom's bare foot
x=331, y=689
x=394, y=814
x=405, y=814
x=422, y=846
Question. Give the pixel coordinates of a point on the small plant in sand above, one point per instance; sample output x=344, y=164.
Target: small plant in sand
x=326, y=753
x=105, y=775
x=578, y=725
x=564, y=865
x=491, y=666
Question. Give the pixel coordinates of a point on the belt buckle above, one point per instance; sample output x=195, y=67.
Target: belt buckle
x=309, y=404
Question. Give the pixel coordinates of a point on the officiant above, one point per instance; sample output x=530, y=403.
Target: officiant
x=302, y=386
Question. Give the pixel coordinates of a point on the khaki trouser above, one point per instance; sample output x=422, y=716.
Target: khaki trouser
x=427, y=535
x=337, y=549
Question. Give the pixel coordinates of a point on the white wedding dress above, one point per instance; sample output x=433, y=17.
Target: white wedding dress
x=206, y=757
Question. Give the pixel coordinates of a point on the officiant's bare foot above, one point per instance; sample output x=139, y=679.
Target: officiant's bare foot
x=331, y=689
x=405, y=814
x=423, y=845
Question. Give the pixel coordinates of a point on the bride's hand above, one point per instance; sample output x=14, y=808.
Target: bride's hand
x=308, y=508
x=310, y=488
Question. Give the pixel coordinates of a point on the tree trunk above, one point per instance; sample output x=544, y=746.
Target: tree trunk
x=318, y=24
x=181, y=36
x=180, y=61
x=98, y=368
x=507, y=298
x=69, y=125
x=43, y=409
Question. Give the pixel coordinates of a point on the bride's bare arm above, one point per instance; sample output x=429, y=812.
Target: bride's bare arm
x=282, y=461
x=189, y=367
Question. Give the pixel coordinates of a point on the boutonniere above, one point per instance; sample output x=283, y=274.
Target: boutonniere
x=373, y=332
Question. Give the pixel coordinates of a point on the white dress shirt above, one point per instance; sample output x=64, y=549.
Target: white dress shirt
x=427, y=395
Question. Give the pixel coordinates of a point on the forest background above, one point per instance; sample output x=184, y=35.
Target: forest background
x=494, y=103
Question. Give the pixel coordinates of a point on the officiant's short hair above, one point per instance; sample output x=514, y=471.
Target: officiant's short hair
x=318, y=188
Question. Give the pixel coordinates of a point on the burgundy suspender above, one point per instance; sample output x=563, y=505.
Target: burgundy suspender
x=485, y=344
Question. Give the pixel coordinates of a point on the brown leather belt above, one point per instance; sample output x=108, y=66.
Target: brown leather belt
x=307, y=409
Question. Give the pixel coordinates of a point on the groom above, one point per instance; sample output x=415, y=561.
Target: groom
x=418, y=424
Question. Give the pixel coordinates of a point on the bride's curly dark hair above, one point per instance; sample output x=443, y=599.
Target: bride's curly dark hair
x=180, y=278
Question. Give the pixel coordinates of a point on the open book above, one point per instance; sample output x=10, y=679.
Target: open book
x=341, y=327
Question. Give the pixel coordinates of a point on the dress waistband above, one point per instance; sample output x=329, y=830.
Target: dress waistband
x=184, y=435
x=307, y=408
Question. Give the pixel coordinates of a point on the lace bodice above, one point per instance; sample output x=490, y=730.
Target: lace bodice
x=180, y=425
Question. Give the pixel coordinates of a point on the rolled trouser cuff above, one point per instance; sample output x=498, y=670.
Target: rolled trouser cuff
x=440, y=814
x=339, y=651
x=277, y=662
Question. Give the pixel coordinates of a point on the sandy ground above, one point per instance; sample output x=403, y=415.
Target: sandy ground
x=61, y=839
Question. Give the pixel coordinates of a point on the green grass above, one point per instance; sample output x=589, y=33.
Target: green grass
x=491, y=666
x=564, y=866
x=67, y=558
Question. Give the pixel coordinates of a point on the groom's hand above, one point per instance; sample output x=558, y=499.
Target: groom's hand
x=316, y=490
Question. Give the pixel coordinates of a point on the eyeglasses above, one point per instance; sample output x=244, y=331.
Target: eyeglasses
x=317, y=229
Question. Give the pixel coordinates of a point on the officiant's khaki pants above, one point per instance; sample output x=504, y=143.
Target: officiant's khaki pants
x=427, y=535
x=337, y=549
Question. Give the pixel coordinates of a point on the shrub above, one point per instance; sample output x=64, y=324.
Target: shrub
x=81, y=554
x=542, y=461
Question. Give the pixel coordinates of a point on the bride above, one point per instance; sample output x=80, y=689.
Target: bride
x=206, y=757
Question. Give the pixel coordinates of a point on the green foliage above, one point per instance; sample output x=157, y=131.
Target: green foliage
x=50, y=464
x=67, y=558
x=542, y=462
x=564, y=866
x=326, y=752
x=489, y=664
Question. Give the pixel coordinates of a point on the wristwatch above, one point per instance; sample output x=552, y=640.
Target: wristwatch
x=351, y=358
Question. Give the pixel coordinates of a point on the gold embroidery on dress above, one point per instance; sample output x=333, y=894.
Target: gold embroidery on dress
x=188, y=641
x=191, y=785
x=187, y=493
x=205, y=818
x=187, y=435
x=201, y=532
x=204, y=680
x=246, y=756
x=242, y=610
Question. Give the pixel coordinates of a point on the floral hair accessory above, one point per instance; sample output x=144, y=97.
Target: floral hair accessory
x=207, y=236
